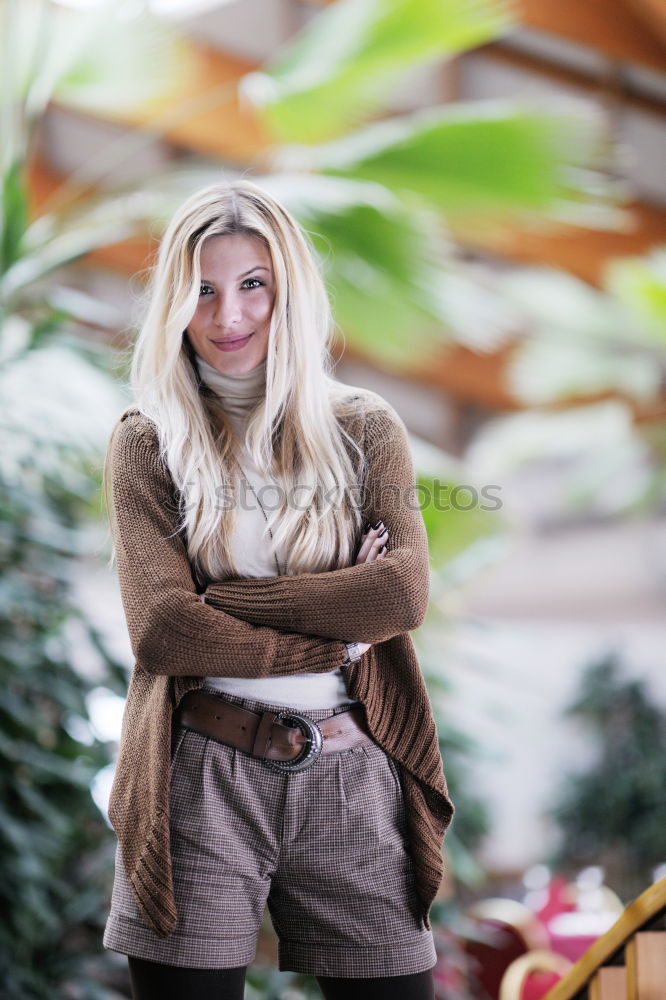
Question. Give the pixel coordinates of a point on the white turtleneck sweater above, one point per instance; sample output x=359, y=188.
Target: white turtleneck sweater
x=239, y=394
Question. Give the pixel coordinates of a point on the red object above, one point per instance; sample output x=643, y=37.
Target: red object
x=561, y=899
x=572, y=946
x=538, y=984
x=493, y=956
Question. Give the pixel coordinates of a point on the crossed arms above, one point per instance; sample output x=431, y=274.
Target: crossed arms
x=267, y=626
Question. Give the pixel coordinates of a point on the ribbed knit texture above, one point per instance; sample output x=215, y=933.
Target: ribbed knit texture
x=239, y=393
x=258, y=627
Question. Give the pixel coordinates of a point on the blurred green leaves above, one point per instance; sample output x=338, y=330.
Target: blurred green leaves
x=638, y=286
x=585, y=341
x=56, y=53
x=391, y=268
x=588, y=359
x=398, y=292
x=15, y=218
x=57, y=406
x=350, y=59
x=480, y=161
x=53, y=841
x=55, y=240
x=613, y=812
x=50, y=52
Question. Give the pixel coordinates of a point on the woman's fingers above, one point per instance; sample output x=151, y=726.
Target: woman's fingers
x=372, y=543
x=365, y=547
x=379, y=547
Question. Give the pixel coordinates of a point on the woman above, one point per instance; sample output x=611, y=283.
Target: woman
x=278, y=745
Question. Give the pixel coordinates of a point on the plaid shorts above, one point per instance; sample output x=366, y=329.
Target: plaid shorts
x=325, y=848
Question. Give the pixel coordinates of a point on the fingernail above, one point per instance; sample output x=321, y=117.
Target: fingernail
x=366, y=527
x=375, y=526
x=382, y=533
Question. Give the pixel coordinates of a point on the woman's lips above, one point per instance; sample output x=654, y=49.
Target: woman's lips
x=234, y=344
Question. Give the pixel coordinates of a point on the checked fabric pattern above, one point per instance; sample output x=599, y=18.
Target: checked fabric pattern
x=325, y=849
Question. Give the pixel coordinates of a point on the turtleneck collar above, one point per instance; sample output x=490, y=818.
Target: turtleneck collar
x=238, y=394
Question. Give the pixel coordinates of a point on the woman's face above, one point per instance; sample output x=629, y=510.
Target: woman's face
x=229, y=329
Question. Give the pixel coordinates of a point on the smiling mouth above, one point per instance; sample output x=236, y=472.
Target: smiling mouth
x=227, y=344
x=232, y=340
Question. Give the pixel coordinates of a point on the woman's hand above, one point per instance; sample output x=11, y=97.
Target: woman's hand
x=373, y=545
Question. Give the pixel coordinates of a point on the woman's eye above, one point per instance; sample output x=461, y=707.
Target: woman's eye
x=205, y=290
x=257, y=283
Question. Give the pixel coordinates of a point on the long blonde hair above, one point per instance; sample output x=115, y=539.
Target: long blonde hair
x=294, y=433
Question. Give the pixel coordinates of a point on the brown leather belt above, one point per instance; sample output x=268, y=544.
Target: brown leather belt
x=286, y=741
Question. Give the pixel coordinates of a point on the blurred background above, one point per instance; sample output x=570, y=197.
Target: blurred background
x=484, y=183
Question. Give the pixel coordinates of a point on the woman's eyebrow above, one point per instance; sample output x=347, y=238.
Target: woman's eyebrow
x=257, y=267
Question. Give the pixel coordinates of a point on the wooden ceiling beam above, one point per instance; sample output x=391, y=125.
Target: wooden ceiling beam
x=581, y=252
x=479, y=379
x=610, y=27
x=623, y=95
x=653, y=13
x=469, y=377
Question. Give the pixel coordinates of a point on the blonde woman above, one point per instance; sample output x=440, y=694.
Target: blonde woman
x=278, y=746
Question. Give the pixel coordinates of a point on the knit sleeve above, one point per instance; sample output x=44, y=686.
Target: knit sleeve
x=371, y=602
x=171, y=630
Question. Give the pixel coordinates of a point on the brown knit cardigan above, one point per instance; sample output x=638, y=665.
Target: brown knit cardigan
x=258, y=627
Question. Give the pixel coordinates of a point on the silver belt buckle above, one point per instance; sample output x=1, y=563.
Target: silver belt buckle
x=314, y=742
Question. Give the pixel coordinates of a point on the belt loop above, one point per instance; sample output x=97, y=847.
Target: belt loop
x=263, y=735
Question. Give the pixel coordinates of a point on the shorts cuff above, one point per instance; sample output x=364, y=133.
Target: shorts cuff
x=129, y=938
x=389, y=959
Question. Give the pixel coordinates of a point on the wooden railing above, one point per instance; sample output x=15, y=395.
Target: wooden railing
x=629, y=961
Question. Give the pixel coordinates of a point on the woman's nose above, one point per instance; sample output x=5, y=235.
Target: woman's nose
x=227, y=311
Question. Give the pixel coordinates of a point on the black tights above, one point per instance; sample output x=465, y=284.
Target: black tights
x=153, y=981
x=417, y=986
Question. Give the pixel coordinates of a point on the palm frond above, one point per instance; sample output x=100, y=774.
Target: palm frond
x=53, y=241
x=103, y=58
x=582, y=341
x=482, y=163
x=398, y=292
x=345, y=64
